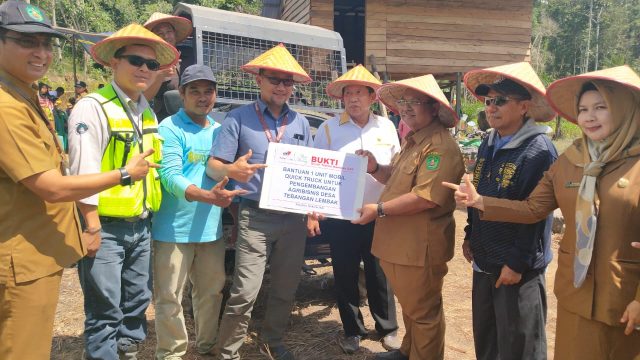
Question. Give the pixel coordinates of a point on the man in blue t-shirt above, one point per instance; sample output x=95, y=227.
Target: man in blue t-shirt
x=187, y=230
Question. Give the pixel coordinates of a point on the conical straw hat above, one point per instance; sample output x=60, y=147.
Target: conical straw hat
x=563, y=94
x=523, y=74
x=182, y=26
x=359, y=75
x=426, y=84
x=279, y=59
x=104, y=50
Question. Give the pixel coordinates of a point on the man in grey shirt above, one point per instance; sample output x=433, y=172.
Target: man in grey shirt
x=262, y=234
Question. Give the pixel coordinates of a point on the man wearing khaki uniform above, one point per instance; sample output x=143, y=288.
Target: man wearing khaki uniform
x=39, y=229
x=414, y=233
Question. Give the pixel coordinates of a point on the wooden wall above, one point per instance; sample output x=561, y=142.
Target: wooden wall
x=416, y=37
x=322, y=13
x=310, y=12
x=297, y=11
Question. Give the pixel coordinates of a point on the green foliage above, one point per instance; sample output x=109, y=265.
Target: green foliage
x=568, y=130
x=564, y=44
x=471, y=108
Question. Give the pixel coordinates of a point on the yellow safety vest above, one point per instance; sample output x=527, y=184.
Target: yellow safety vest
x=124, y=142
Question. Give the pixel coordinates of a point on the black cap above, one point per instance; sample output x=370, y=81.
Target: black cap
x=197, y=72
x=21, y=17
x=505, y=87
x=81, y=84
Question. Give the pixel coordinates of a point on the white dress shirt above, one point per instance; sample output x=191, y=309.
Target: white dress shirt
x=378, y=136
x=89, y=134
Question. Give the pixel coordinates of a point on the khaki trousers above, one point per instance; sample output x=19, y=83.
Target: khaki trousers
x=262, y=235
x=578, y=338
x=203, y=264
x=419, y=291
x=27, y=311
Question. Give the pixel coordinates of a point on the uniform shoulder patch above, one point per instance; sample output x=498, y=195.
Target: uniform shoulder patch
x=81, y=128
x=432, y=161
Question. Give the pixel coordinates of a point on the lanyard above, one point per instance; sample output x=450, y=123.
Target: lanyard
x=138, y=131
x=267, y=131
x=64, y=162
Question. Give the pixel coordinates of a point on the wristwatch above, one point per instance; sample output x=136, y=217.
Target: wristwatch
x=125, y=178
x=381, y=210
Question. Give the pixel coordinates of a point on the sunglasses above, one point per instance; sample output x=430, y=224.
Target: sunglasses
x=138, y=61
x=411, y=103
x=31, y=43
x=498, y=100
x=277, y=81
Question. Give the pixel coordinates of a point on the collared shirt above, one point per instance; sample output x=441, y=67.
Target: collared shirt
x=500, y=142
x=37, y=238
x=184, y=160
x=89, y=134
x=378, y=136
x=242, y=130
x=428, y=157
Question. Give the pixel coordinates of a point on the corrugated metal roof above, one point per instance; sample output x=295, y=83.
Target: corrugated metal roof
x=272, y=8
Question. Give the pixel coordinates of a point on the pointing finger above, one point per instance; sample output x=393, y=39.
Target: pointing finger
x=248, y=155
x=451, y=186
x=147, y=153
x=257, y=166
x=154, y=165
x=223, y=182
x=467, y=180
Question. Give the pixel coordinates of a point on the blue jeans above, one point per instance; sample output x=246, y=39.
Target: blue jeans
x=117, y=290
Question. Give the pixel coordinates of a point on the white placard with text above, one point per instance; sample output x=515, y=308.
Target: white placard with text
x=300, y=179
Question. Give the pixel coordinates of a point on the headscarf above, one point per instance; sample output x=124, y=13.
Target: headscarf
x=623, y=142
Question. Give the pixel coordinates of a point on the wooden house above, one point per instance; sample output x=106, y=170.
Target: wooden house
x=408, y=38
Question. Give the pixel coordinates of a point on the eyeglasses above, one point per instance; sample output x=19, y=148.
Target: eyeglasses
x=31, y=43
x=411, y=103
x=277, y=81
x=138, y=61
x=498, y=100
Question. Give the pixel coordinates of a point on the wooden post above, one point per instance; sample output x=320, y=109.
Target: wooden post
x=374, y=70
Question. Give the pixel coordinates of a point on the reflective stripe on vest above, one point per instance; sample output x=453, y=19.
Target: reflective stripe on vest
x=124, y=142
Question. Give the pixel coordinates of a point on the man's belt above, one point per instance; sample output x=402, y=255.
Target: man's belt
x=133, y=219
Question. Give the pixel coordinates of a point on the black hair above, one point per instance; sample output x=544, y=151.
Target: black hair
x=119, y=52
x=588, y=86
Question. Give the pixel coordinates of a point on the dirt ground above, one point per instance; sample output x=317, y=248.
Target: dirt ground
x=315, y=322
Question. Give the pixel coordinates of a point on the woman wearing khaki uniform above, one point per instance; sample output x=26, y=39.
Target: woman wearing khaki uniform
x=596, y=184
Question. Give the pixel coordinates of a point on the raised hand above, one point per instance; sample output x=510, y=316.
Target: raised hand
x=220, y=196
x=372, y=163
x=631, y=316
x=138, y=166
x=368, y=213
x=466, y=193
x=241, y=170
x=217, y=195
